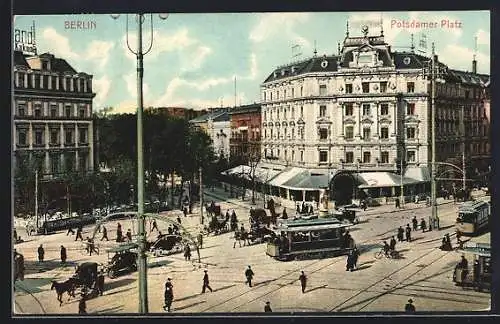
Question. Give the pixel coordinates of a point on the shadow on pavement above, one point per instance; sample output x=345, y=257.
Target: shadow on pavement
x=224, y=287
x=117, y=283
x=37, y=267
x=363, y=266
x=158, y=263
x=117, y=291
x=109, y=310
x=190, y=305
x=316, y=288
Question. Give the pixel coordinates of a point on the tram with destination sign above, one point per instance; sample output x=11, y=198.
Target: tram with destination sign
x=473, y=217
x=306, y=238
x=478, y=274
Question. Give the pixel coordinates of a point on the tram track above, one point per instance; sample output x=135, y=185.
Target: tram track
x=33, y=296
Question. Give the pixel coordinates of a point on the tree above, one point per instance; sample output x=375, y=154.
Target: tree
x=252, y=157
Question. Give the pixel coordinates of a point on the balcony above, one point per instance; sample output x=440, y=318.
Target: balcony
x=69, y=144
x=54, y=144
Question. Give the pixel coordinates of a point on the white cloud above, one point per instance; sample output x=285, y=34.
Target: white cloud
x=99, y=51
x=125, y=107
x=196, y=58
x=59, y=44
x=131, y=82
x=101, y=87
x=483, y=37
x=458, y=57
x=372, y=20
x=254, y=70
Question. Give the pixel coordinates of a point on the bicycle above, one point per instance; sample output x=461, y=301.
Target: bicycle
x=390, y=254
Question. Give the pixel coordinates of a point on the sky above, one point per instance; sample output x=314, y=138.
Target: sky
x=196, y=58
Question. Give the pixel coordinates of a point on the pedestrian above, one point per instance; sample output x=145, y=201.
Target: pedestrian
x=119, y=233
x=129, y=235
x=200, y=240
x=41, y=253
x=206, y=283
x=104, y=233
x=79, y=231
x=349, y=265
x=476, y=270
x=185, y=211
x=284, y=215
x=423, y=226
x=392, y=245
x=179, y=220
x=187, y=252
x=297, y=207
x=355, y=256
x=415, y=223
x=397, y=203
x=410, y=308
x=303, y=281
x=408, y=233
x=154, y=226
x=249, y=275
x=100, y=283
x=347, y=239
x=63, y=254
x=169, y=295
x=267, y=308
x=170, y=230
x=400, y=234
x=70, y=231
x=82, y=305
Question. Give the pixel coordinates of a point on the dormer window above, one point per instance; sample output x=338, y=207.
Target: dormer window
x=45, y=65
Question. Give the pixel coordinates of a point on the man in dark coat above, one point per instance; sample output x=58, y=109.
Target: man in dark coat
x=63, y=254
x=104, y=233
x=303, y=281
x=70, y=231
x=187, y=252
x=267, y=308
x=129, y=235
x=170, y=230
x=100, y=283
x=154, y=226
x=169, y=295
x=41, y=253
x=410, y=308
x=82, y=305
x=408, y=233
x=284, y=215
x=79, y=231
x=206, y=283
x=415, y=223
x=476, y=271
x=119, y=233
x=400, y=234
x=423, y=225
x=355, y=256
x=349, y=263
x=249, y=275
x=392, y=245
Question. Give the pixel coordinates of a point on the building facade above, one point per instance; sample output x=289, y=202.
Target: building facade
x=245, y=140
x=217, y=125
x=52, y=115
x=366, y=112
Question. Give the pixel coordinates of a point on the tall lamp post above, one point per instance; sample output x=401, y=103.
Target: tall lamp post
x=434, y=72
x=139, y=53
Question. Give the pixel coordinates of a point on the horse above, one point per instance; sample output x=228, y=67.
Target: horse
x=62, y=287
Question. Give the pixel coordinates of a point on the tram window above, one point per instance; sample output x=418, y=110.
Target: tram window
x=467, y=217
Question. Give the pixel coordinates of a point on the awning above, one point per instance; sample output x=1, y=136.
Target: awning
x=284, y=176
x=382, y=179
x=243, y=128
x=263, y=173
x=420, y=174
x=306, y=180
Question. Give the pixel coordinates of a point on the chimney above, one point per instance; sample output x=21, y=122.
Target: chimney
x=474, y=66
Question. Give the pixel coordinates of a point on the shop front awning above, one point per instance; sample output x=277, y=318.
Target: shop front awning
x=263, y=173
x=307, y=180
x=382, y=179
x=420, y=174
x=285, y=176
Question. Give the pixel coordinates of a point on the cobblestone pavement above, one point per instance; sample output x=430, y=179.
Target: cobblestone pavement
x=424, y=273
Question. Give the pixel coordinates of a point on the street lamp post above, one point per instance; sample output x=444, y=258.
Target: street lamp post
x=434, y=72
x=201, y=195
x=139, y=53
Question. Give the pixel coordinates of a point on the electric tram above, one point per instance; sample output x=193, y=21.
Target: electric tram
x=300, y=239
x=473, y=216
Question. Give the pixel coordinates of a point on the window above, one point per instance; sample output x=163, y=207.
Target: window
x=301, y=91
x=69, y=136
x=69, y=162
x=301, y=156
x=323, y=133
x=384, y=132
x=410, y=132
x=20, y=81
x=53, y=81
x=21, y=110
x=293, y=92
x=366, y=87
x=38, y=137
x=54, y=136
x=30, y=81
x=384, y=109
x=89, y=86
x=81, y=112
x=410, y=156
x=367, y=156
x=37, y=81
x=349, y=111
x=383, y=86
x=284, y=93
x=82, y=161
x=83, y=135
x=410, y=87
x=348, y=88
x=322, y=90
x=21, y=137
x=293, y=156
x=271, y=95
x=322, y=111
x=410, y=108
x=301, y=111
x=366, y=133
x=384, y=157
x=323, y=156
x=293, y=113
x=349, y=132
x=68, y=84
x=366, y=109
x=82, y=85
x=349, y=157
x=45, y=65
x=55, y=163
x=68, y=111
x=45, y=81
x=37, y=111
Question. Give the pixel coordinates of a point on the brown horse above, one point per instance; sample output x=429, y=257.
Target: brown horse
x=62, y=287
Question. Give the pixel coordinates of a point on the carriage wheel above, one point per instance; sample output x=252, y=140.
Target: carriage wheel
x=112, y=273
x=379, y=254
x=133, y=267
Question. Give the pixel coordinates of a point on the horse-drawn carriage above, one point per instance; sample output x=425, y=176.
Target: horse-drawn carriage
x=213, y=209
x=260, y=216
x=18, y=266
x=123, y=261
x=218, y=225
